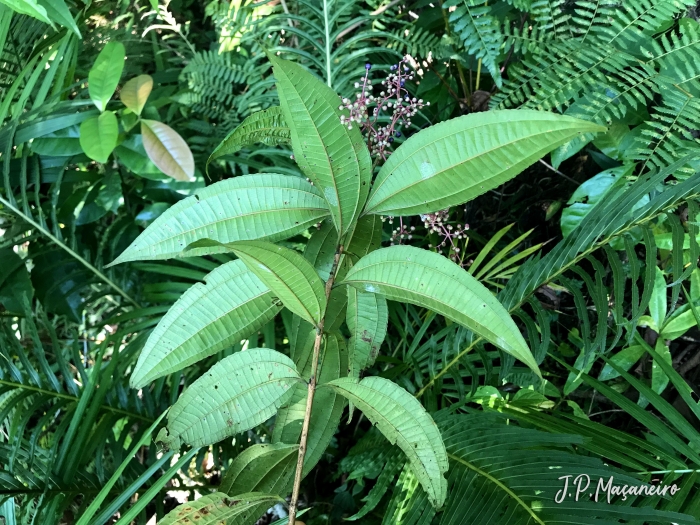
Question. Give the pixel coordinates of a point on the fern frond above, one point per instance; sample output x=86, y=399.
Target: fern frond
x=626, y=21
x=668, y=135
x=414, y=41
x=480, y=33
x=551, y=16
x=215, y=81
x=605, y=222
x=677, y=55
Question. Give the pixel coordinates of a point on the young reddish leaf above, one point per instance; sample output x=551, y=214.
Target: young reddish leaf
x=135, y=92
x=167, y=150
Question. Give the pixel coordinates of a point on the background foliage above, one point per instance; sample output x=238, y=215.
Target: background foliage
x=608, y=299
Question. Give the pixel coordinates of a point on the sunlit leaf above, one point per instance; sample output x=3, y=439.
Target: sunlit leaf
x=288, y=274
x=455, y=161
x=105, y=74
x=28, y=7
x=334, y=157
x=218, y=508
x=58, y=11
x=98, y=136
x=266, y=126
x=263, y=206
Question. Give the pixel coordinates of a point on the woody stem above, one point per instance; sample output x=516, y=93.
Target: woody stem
x=311, y=390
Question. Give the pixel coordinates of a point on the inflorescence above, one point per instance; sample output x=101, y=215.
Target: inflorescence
x=401, y=107
x=393, y=98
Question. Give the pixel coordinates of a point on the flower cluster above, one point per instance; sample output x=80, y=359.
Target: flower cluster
x=450, y=235
x=401, y=233
x=393, y=97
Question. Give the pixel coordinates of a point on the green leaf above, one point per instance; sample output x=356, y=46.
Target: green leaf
x=658, y=302
x=625, y=359
x=366, y=237
x=15, y=284
x=659, y=379
x=58, y=11
x=134, y=93
x=28, y=7
x=261, y=468
x=423, y=278
x=679, y=323
x=403, y=421
x=167, y=150
x=105, y=74
x=367, y=319
x=288, y=274
x=98, y=136
x=218, y=508
x=207, y=318
x=236, y=394
x=455, y=161
x=266, y=126
x=57, y=146
x=334, y=157
x=327, y=409
x=104, y=492
x=605, y=185
x=264, y=206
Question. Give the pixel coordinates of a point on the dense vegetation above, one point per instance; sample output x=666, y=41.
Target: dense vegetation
x=467, y=231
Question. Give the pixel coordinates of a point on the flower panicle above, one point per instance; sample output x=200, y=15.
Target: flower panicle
x=393, y=98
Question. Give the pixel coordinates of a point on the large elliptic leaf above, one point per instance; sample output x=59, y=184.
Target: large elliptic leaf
x=427, y=279
x=288, y=274
x=134, y=93
x=455, y=161
x=205, y=319
x=262, y=468
x=236, y=394
x=327, y=409
x=98, y=136
x=218, y=508
x=105, y=73
x=266, y=126
x=367, y=319
x=168, y=150
x=403, y=421
x=265, y=206
x=334, y=157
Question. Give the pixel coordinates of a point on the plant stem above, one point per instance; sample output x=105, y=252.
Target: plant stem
x=310, y=395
